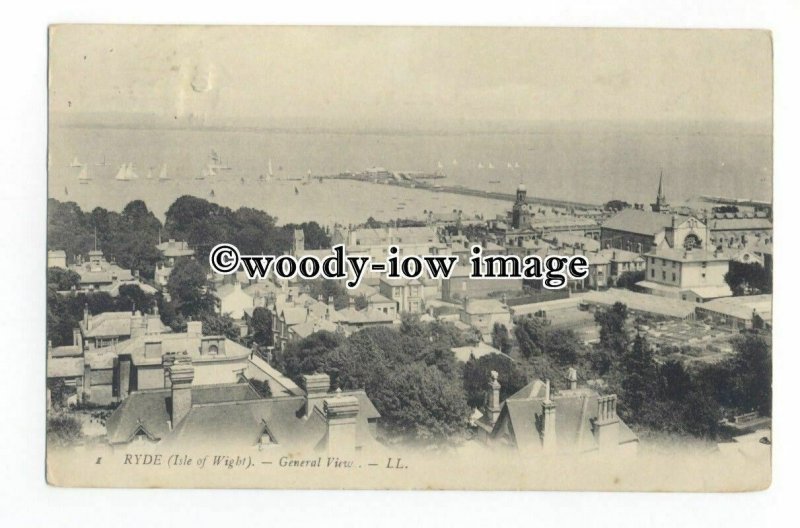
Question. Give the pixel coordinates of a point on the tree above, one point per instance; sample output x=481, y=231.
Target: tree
x=314, y=236
x=309, y=355
x=62, y=279
x=361, y=302
x=530, y=332
x=261, y=387
x=751, y=370
x=63, y=430
x=747, y=278
x=190, y=290
x=220, y=325
x=563, y=346
x=640, y=377
x=501, y=339
x=628, y=279
x=325, y=289
x=477, y=373
x=613, y=333
x=418, y=402
x=68, y=228
x=616, y=205
x=131, y=296
x=260, y=326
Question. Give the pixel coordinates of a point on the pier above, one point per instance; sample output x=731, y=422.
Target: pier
x=405, y=180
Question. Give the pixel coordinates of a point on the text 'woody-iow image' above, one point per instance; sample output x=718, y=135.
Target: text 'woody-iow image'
x=409, y=258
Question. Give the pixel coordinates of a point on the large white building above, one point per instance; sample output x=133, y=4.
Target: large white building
x=695, y=275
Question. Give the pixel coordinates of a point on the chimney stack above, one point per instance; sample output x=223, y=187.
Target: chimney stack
x=549, y=440
x=138, y=324
x=87, y=319
x=181, y=375
x=606, y=425
x=493, y=409
x=572, y=377
x=194, y=328
x=341, y=413
x=316, y=387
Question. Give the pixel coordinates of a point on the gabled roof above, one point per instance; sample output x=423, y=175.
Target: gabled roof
x=309, y=327
x=150, y=409
x=477, y=351
x=576, y=410
x=233, y=416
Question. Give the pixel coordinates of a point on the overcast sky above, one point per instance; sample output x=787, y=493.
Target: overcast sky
x=421, y=75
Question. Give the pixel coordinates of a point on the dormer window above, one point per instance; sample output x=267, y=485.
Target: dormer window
x=213, y=350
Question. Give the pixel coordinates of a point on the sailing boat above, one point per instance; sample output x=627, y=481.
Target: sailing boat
x=149, y=174
x=216, y=161
x=208, y=172
x=122, y=174
x=516, y=165
x=269, y=168
x=211, y=194
x=103, y=163
x=296, y=191
x=131, y=173
x=163, y=175
x=75, y=163
x=83, y=177
x=480, y=165
x=490, y=165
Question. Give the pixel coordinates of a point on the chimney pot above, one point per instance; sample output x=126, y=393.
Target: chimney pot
x=181, y=375
x=494, y=398
x=341, y=414
x=194, y=328
x=316, y=387
x=606, y=425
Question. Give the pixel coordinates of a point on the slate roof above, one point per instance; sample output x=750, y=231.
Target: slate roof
x=182, y=342
x=725, y=224
x=65, y=367
x=641, y=302
x=575, y=412
x=232, y=415
x=741, y=307
x=113, y=324
x=638, y=221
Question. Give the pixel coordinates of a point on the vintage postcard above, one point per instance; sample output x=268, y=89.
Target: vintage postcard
x=409, y=258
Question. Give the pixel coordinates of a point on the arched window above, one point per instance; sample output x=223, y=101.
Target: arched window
x=691, y=241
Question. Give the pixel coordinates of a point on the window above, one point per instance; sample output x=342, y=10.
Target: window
x=213, y=350
x=674, y=278
x=652, y=273
x=663, y=275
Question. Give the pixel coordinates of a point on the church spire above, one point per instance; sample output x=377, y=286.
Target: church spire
x=660, y=205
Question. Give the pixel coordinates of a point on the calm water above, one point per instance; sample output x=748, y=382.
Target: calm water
x=592, y=166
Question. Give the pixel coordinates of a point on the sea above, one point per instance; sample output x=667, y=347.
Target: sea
x=591, y=164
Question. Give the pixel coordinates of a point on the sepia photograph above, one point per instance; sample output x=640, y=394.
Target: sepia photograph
x=409, y=258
